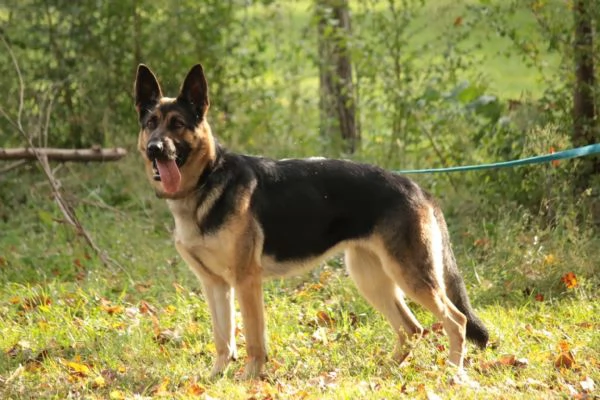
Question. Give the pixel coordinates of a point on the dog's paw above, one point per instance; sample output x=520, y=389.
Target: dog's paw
x=220, y=366
x=253, y=368
x=461, y=378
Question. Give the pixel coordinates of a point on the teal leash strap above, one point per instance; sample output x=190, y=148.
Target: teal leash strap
x=559, y=155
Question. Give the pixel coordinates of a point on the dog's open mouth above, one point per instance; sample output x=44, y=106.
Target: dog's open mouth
x=167, y=172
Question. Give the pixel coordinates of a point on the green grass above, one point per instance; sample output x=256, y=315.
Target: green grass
x=74, y=327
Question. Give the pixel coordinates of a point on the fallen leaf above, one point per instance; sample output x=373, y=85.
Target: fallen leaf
x=193, y=389
x=77, y=369
x=585, y=325
x=506, y=360
x=323, y=319
x=458, y=21
x=162, y=388
x=570, y=280
x=320, y=335
x=539, y=297
x=117, y=395
x=170, y=309
x=168, y=336
x=324, y=276
x=142, y=287
x=146, y=308
x=587, y=384
x=99, y=382
x=564, y=360
x=563, y=345
x=113, y=309
x=35, y=301
x=327, y=380
x=437, y=327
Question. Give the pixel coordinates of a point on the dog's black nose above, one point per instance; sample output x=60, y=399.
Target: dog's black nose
x=154, y=149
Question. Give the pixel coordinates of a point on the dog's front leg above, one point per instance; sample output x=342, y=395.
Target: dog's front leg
x=250, y=298
x=219, y=296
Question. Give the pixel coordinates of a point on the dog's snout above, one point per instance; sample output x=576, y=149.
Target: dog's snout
x=154, y=149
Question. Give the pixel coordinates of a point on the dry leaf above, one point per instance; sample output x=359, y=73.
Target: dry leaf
x=539, y=297
x=437, y=327
x=570, y=280
x=323, y=319
x=162, y=388
x=168, y=336
x=170, y=309
x=193, y=389
x=587, y=384
x=77, y=369
x=99, y=382
x=146, y=308
x=565, y=360
x=117, y=395
x=458, y=21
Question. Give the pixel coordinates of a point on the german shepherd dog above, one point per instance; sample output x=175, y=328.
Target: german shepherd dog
x=240, y=219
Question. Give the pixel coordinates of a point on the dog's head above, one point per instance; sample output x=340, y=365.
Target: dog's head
x=175, y=139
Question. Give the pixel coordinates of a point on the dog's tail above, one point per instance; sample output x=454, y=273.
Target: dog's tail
x=457, y=292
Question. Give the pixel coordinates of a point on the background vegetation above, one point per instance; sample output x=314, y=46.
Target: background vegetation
x=435, y=83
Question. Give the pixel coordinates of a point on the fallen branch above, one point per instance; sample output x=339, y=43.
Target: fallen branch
x=65, y=206
x=12, y=166
x=54, y=154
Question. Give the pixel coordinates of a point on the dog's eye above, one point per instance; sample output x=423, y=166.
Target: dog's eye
x=176, y=123
x=151, y=123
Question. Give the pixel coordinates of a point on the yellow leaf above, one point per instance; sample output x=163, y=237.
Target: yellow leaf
x=170, y=309
x=324, y=277
x=77, y=369
x=549, y=259
x=117, y=395
x=194, y=389
x=161, y=388
x=111, y=309
x=99, y=382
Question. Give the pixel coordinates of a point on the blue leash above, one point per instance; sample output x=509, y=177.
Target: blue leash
x=559, y=155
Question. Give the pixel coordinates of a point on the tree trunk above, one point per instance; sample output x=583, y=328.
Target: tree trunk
x=585, y=121
x=336, y=102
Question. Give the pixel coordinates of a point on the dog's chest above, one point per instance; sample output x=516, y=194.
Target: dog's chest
x=203, y=253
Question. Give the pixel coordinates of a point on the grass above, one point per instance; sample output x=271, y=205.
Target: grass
x=75, y=328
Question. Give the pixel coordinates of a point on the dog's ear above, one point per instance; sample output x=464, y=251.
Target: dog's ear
x=147, y=90
x=195, y=90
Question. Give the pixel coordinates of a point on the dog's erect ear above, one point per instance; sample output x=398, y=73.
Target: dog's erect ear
x=147, y=90
x=195, y=90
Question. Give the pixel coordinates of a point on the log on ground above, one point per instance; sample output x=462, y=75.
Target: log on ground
x=54, y=154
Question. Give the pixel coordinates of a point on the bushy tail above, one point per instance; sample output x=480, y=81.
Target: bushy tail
x=457, y=292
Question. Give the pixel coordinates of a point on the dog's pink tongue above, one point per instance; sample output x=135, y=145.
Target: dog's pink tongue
x=169, y=175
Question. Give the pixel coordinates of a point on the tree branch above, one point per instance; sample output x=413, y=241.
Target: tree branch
x=54, y=154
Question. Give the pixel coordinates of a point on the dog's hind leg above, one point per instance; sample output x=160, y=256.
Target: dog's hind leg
x=384, y=295
x=417, y=267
